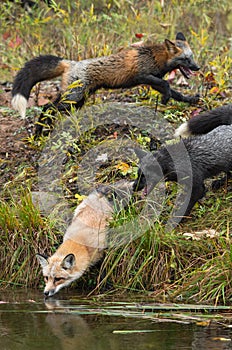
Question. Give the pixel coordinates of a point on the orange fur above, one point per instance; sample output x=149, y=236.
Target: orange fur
x=84, y=240
x=64, y=67
x=140, y=65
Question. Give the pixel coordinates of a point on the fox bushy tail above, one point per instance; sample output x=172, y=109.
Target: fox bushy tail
x=205, y=122
x=38, y=69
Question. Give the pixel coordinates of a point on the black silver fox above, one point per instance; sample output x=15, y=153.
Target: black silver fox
x=189, y=161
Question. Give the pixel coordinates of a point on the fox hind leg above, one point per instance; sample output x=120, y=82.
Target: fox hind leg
x=44, y=125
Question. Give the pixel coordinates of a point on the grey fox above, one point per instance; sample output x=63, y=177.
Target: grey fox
x=145, y=64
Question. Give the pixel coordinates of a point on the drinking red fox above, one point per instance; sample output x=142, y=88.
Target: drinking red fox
x=86, y=237
x=145, y=64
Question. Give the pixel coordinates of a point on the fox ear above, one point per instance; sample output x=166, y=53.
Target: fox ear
x=68, y=262
x=180, y=36
x=43, y=260
x=171, y=46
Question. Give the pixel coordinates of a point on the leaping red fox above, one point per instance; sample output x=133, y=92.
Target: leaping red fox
x=144, y=64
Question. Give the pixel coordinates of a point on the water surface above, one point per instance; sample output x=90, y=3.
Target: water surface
x=27, y=322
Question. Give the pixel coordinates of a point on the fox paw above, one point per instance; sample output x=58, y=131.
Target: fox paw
x=194, y=99
x=165, y=99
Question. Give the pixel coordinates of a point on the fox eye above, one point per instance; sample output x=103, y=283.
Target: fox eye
x=45, y=278
x=57, y=279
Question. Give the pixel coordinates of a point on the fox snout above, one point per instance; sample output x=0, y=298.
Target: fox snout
x=187, y=67
x=52, y=286
x=49, y=293
x=193, y=66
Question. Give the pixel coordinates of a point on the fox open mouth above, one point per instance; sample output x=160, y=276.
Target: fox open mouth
x=187, y=73
x=147, y=190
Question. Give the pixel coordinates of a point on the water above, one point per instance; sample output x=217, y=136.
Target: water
x=27, y=323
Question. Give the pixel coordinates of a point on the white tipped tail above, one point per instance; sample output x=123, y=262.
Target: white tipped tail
x=19, y=103
x=183, y=130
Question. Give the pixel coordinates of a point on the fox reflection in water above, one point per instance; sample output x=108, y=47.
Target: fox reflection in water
x=72, y=331
x=91, y=332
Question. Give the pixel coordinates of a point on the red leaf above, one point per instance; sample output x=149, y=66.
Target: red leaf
x=196, y=112
x=15, y=42
x=6, y=35
x=139, y=35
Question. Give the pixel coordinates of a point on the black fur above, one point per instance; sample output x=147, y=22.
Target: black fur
x=27, y=4
x=207, y=121
x=180, y=36
x=146, y=64
x=189, y=162
x=34, y=71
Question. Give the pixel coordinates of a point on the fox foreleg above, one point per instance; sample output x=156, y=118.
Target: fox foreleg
x=197, y=192
x=157, y=84
x=163, y=87
x=183, y=98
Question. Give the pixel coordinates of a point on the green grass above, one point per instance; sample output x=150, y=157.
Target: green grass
x=171, y=267
x=24, y=232
x=163, y=264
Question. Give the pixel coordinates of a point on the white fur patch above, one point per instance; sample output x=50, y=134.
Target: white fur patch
x=19, y=103
x=182, y=131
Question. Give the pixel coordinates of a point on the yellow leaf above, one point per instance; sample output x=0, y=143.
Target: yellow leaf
x=75, y=84
x=80, y=197
x=194, y=33
x=221, y=339
x=214, y=90
x=203, y=323
x=122, y=166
